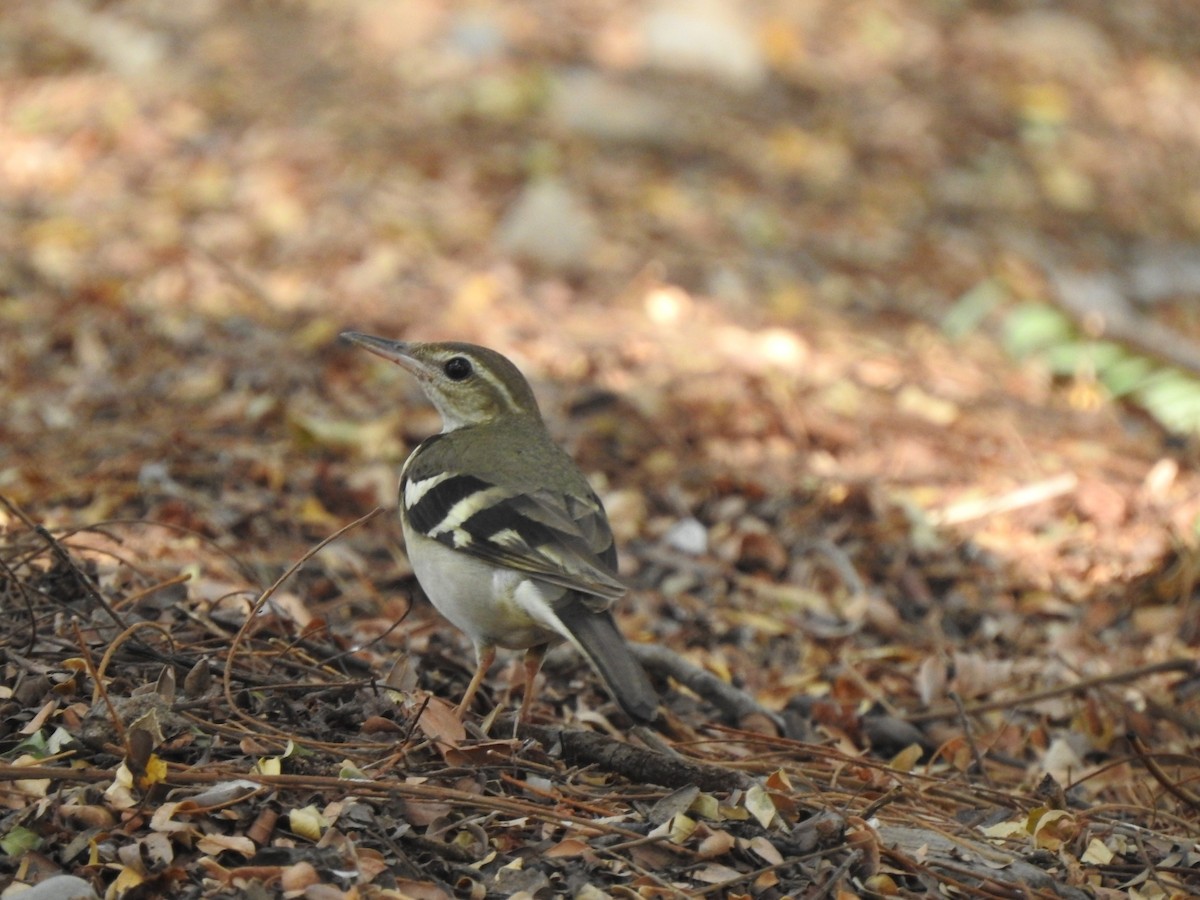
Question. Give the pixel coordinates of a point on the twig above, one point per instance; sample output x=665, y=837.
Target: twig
x=836, y=875
x=1101, y=308
x=246, y=570
x=99, y=691
x=28, y=604
x=227, y=675
x=82, y=580
x=331, y=785
x=755, y=874
x=735, y=703
x=132, y=599
x=129, y=634
x=880, y=802
x=1178, y=791
x=1028, y=495
x=1170, y=665
x=839, y=561
x=965, y=721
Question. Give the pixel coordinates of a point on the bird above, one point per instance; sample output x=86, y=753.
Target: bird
x=505, y=535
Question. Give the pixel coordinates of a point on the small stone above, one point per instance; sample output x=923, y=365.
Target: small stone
x=761, y=552
x=708, y=38
x=687, y=536
x=1101, y=503
x=61, y=887
x=478, y=36
x=549, y=225
x=588, y=103
x=1048, y=43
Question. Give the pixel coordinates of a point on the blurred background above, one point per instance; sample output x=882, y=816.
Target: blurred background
x=873, y=323
x=782, y=244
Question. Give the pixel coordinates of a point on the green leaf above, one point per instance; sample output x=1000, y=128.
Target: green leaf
x=1126, y=375
x=33, y=745
x=972, y=308
x=1074, y=356
x=1032, y=327
x=1173, y=398
x=19, y=841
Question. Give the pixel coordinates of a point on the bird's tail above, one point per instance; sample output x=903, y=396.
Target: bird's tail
x=597, y=637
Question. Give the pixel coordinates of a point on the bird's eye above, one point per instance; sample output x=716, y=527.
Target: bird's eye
x=458, y=368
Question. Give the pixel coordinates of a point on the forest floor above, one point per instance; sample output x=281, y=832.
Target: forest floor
x=924, y=613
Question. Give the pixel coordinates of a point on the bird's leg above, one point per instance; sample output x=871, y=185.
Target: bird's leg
x=533, y=665
x=485, y=655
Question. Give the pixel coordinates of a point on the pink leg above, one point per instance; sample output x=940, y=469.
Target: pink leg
x=533, y=665
x=485, y=656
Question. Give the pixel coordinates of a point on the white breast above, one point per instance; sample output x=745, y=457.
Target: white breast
x=493, y=605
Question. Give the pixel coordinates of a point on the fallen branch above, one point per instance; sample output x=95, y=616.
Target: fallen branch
x=589, y=748
x=1170, y=665
x=734, y=703
x=1027, y=495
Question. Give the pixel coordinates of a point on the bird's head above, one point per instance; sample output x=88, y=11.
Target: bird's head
x=469, y=384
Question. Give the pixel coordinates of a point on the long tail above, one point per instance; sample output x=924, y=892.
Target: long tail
x=597, y=637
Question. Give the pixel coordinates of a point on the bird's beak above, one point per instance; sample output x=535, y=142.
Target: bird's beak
x=393, y=351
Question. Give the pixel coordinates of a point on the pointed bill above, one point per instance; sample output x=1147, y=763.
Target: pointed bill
x=392, y=351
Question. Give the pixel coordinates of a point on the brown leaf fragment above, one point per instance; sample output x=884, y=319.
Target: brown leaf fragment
x=423, y=813
x=931, y=680
x=35, y=724
x=89, y=816
x=761, y=552
x=862, y=837
x=1051, y=793
x=678, y=801
x=401, y=675
x=906, y=759
x=765, y=850
x=371, y=863
x=568, y=847
x=440, y=723
x=766, y=880
x=328, y=892
x=759, y=723
x=715, y=843
x=141, y=741
x=198, y=679
x=653, y=857
x=1101, y=502
x=421, y=890
x=239, y=876
x=715, y=873
x=381, y=725
x=883, y=885
x=263, y=826
x=253, y=747
x=298, y=876
x=820, y=830
x=215, y=844
x=479, y=753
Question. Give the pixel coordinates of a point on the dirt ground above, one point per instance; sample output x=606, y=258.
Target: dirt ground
x=827, y=299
